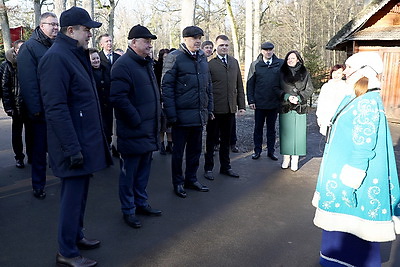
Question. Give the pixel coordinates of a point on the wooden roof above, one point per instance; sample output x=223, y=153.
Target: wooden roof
x=351, y=31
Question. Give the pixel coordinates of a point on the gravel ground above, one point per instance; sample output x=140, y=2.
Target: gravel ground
x=245, y=126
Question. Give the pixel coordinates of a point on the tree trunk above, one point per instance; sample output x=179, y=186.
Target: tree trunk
x=37, y=6
x=187, y=13
x=113, y=5
x=59, y=7
x=234, y=30
x=249, y=37
x=257, y=35
x=5, y=27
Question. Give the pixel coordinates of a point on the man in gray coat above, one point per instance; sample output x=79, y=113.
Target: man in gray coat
x=263, y=95
x=228, y=95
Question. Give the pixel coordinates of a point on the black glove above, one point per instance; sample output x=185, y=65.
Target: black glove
x=76, y=161
x=10, y=112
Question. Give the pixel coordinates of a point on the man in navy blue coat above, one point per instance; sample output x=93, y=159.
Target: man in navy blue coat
x=28, y=60
x=76, y=141
x=188, y=102
x=136, y=99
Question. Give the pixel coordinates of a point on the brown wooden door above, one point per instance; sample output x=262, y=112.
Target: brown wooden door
x=390, y=79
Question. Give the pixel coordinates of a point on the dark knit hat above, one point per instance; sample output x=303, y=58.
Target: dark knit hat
x=77, y=16
x=139, y=31
x=192, y=31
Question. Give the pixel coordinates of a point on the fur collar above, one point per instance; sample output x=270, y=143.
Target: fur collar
x=295, y=74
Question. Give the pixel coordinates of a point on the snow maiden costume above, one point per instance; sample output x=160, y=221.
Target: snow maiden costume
x=357, y=195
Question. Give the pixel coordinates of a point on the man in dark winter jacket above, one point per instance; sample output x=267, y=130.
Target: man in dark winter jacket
x=187, y=99
x=15, y=107
x=76, y=140
x=28, y=60
x=263, y=95
x=136, y=98
x=228, y=95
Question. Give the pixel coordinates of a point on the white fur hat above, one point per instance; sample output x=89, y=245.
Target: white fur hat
x=362, y=59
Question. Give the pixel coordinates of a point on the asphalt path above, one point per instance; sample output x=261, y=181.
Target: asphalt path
x=264, y=218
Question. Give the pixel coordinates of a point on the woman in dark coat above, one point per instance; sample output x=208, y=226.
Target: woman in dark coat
x=297, y=89
x=164, y=129
x=103, y=83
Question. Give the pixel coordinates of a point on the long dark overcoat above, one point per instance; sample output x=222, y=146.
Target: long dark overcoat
x=72, y=109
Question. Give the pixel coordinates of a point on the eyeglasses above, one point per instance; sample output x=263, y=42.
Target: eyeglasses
x=53, y=24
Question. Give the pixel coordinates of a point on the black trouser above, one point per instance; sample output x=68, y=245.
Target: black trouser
x=20, y=121
x=191, y=139
x=220, y=127
x=267, y=116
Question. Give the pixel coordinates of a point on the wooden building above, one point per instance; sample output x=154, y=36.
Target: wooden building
x=377, y=28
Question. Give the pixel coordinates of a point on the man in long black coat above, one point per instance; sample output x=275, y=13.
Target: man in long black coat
x=76, y=140
x=27, y=61
x=136, y=98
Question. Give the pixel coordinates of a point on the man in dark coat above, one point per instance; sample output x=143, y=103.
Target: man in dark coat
x=76, y=140
x=187, y=98
x=28, y=60
x=107, y=59
x=228, y=95
x=136, y=98
x=14, y=106
x=263, y=95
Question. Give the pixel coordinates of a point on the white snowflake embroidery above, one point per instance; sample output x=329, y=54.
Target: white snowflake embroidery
x=329, y=185
x=372, y=193
x=364, y=121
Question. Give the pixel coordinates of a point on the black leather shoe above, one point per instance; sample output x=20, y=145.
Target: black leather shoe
x=272, y=156
x=19, y=163
x=180, y=191
x=74, y=262
x=230, y=172
x=209, y=175
x=132, y=220
x=234, y=149
x=87, y=244
x=256, y=155
x=197, y=186
x=148, y=210
x=39, y=193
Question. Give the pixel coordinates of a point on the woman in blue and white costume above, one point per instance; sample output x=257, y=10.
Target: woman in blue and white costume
x=357, y=195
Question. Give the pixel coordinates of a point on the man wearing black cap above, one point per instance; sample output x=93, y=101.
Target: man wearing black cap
x=136, y=98
x=187, y=98
x=263, y=95
x=76, y=140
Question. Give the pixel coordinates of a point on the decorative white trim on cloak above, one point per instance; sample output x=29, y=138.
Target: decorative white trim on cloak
x=351, y=176
x=373, y=231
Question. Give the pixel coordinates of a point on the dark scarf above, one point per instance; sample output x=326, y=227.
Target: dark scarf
x=43, y=38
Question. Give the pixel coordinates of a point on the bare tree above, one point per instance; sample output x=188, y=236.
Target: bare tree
x=257, y=33
x=59, y=7
x=187, y=13
x=234, y=29
x=5, y=27
x=249, y=36
x=37, y=7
